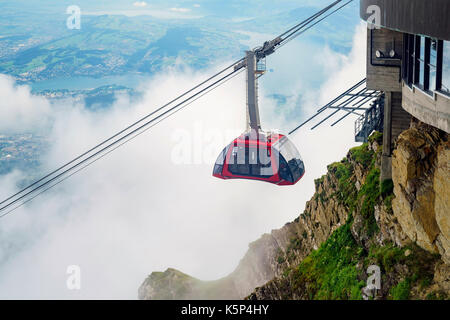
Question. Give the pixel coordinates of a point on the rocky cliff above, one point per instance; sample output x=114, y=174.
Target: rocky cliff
x=421, y=175
x=353, y=221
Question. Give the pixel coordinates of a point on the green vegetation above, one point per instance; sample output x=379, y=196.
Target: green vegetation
x=387, y=192
x=420, y=265
x=337, y=269
x=110, y=45
x=319, y=181
x=417, y=263
x=376, y=136
x=370, y=192
x=437, y=296
x=387, y=187
x=386, y=257
x=347, y=191
x=362, y=155
x=287, y=272
x=401, y=290
x=330, y=272
x=388, y=202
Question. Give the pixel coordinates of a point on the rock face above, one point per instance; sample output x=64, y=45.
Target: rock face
x=442, y=199
x=265, y=259
x=421, y=175
x=175, y=285
x=351, y=222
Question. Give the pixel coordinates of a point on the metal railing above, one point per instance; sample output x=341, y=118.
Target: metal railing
x=357, y=100
x=371, y=120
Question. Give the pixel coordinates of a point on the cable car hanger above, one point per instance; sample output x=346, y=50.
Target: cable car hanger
x=110, y=144
x=255, y=154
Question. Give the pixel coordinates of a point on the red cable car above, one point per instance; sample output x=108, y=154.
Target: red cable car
x=259, y=155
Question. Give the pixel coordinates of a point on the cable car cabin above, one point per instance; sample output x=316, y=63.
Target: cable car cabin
x=257, y=155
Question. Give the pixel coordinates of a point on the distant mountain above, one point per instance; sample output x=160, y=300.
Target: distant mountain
x=36, y=45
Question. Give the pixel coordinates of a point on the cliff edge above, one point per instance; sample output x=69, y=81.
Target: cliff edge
x=353, y=221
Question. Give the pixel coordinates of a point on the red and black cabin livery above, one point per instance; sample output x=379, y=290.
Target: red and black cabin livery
x=257, y=155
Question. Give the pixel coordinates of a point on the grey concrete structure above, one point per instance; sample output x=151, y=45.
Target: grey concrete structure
x=383, y=74
x=253, y=119
x=387, y=54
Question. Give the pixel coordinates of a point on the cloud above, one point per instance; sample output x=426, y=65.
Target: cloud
x=342, y=66
x=180, y=9
x=140, y=4
x=308, y=75
x=19, y=109
x=135, y=211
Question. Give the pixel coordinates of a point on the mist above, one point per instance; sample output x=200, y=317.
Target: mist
x=142, y=208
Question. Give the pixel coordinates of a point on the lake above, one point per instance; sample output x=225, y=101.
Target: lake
x=83, y=83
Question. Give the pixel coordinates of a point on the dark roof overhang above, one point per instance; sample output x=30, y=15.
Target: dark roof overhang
x=424, y=17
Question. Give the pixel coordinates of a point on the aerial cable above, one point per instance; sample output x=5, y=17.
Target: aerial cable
x=271, y=46
x=238, y=65
x=299, y=32
x=121, y=132
x=123, y=140
x=121, y=144
x=308, y=20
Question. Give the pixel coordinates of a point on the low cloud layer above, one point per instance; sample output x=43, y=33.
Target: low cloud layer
x=135, y=211
x=20, y=109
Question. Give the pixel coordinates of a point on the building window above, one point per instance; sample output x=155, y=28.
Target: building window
x=432, y=64
x=445, y=81
x=426, y=63
x=408, y=60
x=416, y=59
x=405, y=57
x=421, y=63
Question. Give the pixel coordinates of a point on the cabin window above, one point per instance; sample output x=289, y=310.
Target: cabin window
x=252, y=161
x=218, y=166
x=289, y=153
x=284, y=170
